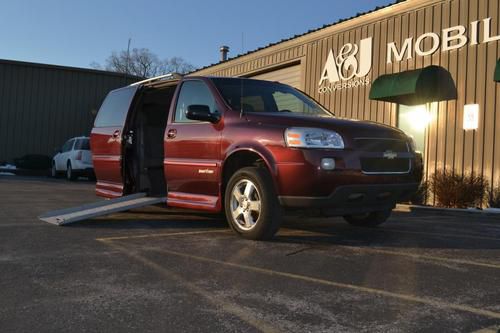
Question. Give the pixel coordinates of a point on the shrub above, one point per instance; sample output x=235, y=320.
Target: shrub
x=494, y=198
x=458, y=191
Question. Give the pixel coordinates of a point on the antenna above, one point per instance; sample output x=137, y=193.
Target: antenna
x=128, y=55
x=241, y=81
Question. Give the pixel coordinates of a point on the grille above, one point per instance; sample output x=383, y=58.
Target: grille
x=380, y=145
x=384, y=165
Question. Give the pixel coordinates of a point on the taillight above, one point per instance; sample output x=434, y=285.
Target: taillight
x=79, y=156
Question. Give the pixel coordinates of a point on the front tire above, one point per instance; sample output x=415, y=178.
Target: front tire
x=369, y=220
x=70, y=174
x=251, y=205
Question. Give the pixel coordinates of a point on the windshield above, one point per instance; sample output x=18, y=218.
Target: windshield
x=263, y=96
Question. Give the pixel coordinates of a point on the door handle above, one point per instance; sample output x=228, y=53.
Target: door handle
x=172, y=133
x=116, y=134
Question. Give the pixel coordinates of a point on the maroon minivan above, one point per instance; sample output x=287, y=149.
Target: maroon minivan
x=250, y=149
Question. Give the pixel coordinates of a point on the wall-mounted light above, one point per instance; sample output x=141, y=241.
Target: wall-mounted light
x=471, y=117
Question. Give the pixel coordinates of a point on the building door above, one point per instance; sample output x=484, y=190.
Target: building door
x=290, y=75
x=413, y=120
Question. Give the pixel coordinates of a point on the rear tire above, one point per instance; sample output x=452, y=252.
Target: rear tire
x=70, y=174
x=369, y=220
x=251, y=206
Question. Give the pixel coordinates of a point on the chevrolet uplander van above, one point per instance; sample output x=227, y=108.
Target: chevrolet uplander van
x=250, y=149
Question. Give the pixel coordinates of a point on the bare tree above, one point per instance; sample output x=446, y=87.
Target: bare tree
x=95, y=65
x=177, y=65
x=144, y=63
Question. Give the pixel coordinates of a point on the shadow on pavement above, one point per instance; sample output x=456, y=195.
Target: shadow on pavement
x=396, y=233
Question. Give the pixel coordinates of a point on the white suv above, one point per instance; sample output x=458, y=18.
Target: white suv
x=74, y=159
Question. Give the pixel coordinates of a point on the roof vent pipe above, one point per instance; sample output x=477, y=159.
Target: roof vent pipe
x=223, y=52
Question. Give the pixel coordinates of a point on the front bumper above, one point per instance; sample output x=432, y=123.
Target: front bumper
x=298, y=172
x=354, y=199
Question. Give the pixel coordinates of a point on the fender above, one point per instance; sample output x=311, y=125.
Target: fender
x=257, y=148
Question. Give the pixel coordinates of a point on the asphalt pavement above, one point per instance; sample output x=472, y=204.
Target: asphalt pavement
x=160, y=270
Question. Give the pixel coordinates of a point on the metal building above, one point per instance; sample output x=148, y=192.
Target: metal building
x=426, y=66
x=41, y=106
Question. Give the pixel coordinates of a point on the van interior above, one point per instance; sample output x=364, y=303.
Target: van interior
x=144, y=147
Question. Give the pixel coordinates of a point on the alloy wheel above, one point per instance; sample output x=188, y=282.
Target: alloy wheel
x=245, y=204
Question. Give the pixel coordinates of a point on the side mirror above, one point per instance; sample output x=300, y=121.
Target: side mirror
x=201, y=113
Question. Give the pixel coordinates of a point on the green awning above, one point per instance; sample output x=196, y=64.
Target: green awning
x=416, y=87
x=497, y=72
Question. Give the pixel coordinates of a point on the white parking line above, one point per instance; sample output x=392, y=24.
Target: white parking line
x=425, y=257
x=491, y=329
x=323, y=246
x=400, y=231
x=244, y=314
x=157, y=235
x=380, y=292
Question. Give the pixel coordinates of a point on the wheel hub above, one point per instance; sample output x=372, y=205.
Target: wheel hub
x=245, y=203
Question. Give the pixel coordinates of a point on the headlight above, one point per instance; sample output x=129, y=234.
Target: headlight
x=304, y=137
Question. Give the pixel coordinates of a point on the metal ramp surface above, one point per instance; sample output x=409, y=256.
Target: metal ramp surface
x=100, y=208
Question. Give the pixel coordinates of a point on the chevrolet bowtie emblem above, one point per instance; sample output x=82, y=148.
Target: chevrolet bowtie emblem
x=390, y=155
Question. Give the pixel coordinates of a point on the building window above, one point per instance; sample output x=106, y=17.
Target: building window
x=413, y=120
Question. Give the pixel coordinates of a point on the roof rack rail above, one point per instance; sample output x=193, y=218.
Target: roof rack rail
x=166, y=77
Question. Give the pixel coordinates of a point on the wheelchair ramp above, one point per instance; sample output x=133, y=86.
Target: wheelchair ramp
x=100, y=208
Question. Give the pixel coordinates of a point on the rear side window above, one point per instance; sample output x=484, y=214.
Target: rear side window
x=82, y=144
x=193, y=93
x=253, y=104
x=114, y=109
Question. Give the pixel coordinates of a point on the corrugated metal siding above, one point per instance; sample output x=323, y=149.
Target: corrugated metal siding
x=41, y=106
x=265, y=60
x=472, y=67
x=289, y=75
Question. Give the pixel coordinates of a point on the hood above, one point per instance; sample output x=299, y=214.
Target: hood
x=348, y=128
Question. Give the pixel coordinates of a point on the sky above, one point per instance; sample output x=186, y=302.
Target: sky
x=77, y=33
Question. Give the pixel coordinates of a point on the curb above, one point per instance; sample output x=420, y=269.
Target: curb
x=495, y=212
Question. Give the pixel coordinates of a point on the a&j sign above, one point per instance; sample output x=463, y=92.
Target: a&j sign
x=349, y=67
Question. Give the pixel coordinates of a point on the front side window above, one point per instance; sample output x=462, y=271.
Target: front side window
x=67, y=146
x=193, y=93
x=264, y=96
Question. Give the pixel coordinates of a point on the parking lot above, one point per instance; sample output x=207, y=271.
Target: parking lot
x=158, y=270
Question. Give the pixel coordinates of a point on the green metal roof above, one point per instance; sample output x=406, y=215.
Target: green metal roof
x=497, y=72
x=415, y=87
